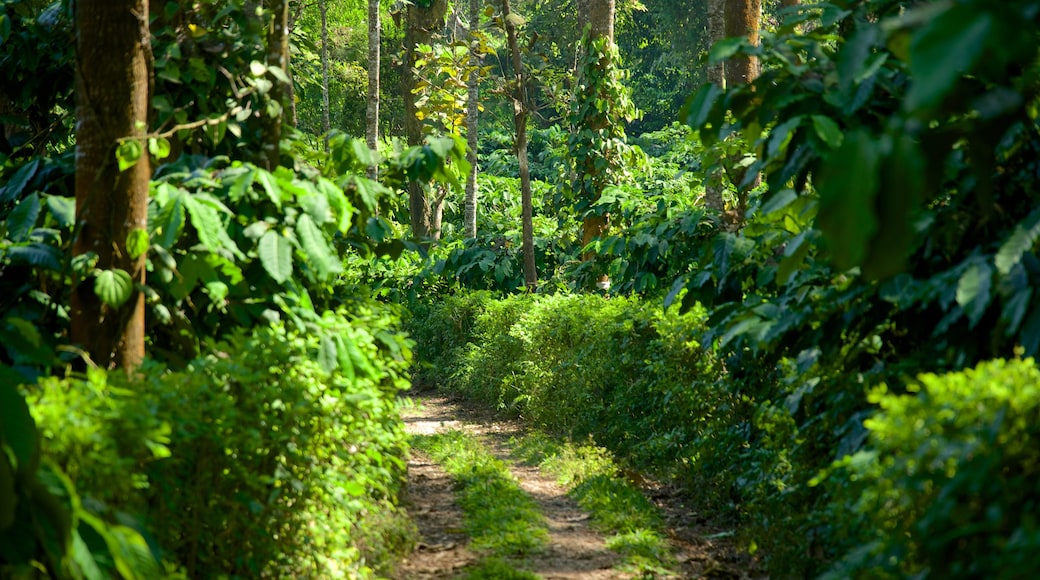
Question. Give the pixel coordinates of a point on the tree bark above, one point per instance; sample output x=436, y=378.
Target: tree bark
x=326, y=121
x=113, y=55
x=742, y=19
x=277, y=56
x=716, y=75
x=520, y=123
x=601, y=25
x=472, y=114
x=375, y=31
x=422, y=23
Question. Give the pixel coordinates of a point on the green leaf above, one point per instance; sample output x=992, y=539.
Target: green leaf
x=270, y=185
x=159, y=147
x=17, y=428
x=341, y=209
x=943, y=50
x=828, y=130
x=778, y=201
x=170, y=220
x=725, y=48
x=328, y=354
x=23, y=218
x=794, y=255
x=137, y=243
x=314, y=245
x=900, y=198
x=128, y=153
x=63, y=209
x=973, y=291
x=276, y=256
x=206, y=221
x=18, y=181
x=1021, y=241
x=700, y=105
x=114, y=287
x=848, y=184
x=346, y=366
x=37, y=254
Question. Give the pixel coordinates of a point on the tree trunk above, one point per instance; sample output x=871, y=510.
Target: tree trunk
x=422, y=23
x=742, y=19
x=520, y=123
x=375, y=31
x=472, y=106
x=277, y=56
x=113, y=54
x=326, y=121
x=716, y=32
x=601, y=25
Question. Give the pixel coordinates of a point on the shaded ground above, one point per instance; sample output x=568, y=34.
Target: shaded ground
x=576, y=550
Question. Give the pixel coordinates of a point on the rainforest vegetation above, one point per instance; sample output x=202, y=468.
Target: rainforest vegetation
x=782, y=254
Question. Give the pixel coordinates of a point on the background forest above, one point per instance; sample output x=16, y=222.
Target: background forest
x=780, y=253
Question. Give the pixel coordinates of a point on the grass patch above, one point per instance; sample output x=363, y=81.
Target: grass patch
x=617, y=507
x=501, y=520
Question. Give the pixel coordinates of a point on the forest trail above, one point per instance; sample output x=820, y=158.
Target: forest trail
x=576, y=551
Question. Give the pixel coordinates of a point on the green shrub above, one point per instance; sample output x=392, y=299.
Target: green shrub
x=275, y=466
x=949, y=483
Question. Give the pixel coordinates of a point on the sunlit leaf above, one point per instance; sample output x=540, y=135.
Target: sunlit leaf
x=128, y=153
x=114, y=287
x=276, y=256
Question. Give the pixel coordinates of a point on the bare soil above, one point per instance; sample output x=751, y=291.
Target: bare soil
x=576, y=550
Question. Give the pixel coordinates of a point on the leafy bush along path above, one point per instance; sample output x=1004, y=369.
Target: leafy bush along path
x=575, y=549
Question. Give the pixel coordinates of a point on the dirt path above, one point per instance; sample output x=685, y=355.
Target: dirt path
x=576, y=551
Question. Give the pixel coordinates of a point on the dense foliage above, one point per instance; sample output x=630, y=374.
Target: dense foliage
x=764, y=360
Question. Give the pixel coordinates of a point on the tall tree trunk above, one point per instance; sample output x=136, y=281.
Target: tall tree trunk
x=472, y=112
x=422, y=22
x=742, y=19
x=113, y=56
x=326, y=121
x=277, y=56
x=716, y=32
x=520, y=122
x=601, y=25
x=375, y=30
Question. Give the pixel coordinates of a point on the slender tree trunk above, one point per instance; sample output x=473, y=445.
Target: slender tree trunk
x=520, y=122
x=472, y=106
x=277, y=56
x=112, y=71
x=601, y=25
x=716, y=32
x=326, y=121
x=742, y=19
x=375, y=31
x=422, y=22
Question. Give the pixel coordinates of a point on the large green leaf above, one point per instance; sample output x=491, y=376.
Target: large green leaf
x=943, y=50
x=276, y=256
x=312, y=239
x=17, y=428
x=18, y=181
x=848, y=184
x=63, y=209
x=1020, y=242
x=23, y=218
x=973, y=291
x=206, y=221
x=341, y=209
x=37, y=254
x=899, y=201
x=114, y=287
